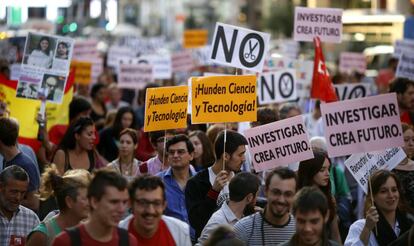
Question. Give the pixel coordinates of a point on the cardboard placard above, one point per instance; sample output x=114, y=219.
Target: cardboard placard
x=279, y=144
x=353, y=91
x=277, y=86
x=403, y=46
x=195, y=38
x=362, y=125
x=134, y=76
x=405, y=68
x=182, y=61
x=83, y=72
x=352, y=61
x=223, y=99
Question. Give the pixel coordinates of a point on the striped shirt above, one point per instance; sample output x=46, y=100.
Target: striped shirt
x=20, y=225
x=253, y=230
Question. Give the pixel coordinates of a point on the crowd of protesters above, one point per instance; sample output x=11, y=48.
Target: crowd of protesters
x=102, y=180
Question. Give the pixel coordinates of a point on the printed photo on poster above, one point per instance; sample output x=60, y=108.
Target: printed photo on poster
x=27, y=90
x=62, y=50
x=55, y=87
x=39, y=51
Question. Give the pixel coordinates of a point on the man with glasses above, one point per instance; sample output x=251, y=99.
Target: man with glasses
x=180, y=152
x=147, y=223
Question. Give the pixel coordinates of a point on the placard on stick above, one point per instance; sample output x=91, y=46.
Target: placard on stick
x=362, y=125
x=279, y=144
x=405, y=68
x=277, y=86
x=195, y=38
x=166, y=108
x=219, y=99
x=83, y=72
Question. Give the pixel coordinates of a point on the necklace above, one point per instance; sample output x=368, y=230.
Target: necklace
x=128, y=171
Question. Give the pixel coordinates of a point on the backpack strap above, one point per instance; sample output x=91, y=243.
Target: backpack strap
x=123, y=237
x=74, y=235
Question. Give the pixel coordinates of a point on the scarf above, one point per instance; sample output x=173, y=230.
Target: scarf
x=385, y=233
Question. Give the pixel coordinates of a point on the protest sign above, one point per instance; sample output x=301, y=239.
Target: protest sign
x=279, y=143
x=239, y=47
x=325, y=23
x=353, y=91
x=403, y=46
x=362, y=165
x=166, y=108
x=134, y=76
x=115, y=53
x=201, y=56
x=45, y=65
x=15, y=71
x=142, y=46
x=278, y=86
x=352, y=61
x=289, y=48
x=362, y=125
x=83, y=72
x=223, y=99
x=195, y=38
x=182, y=61
x=161, y=65
x=85, y=48
x=405, y=68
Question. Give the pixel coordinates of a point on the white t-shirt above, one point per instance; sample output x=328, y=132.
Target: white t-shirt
x=224, y=193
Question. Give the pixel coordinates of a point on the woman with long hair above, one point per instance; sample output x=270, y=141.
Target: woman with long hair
x=77, y=148
x=384, y=222
x=70, y=192
x=203, y=150
x=315, y=172
x=126, y=164
x=109, y=137
x=42, y=56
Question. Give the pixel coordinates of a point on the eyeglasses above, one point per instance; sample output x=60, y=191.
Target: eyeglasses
x=179, y=151
x=161, y=139
x=144, y=203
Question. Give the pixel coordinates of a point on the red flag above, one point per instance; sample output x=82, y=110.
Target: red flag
x=322, y=87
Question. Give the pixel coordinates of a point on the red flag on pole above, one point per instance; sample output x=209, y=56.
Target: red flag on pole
x=322, y=87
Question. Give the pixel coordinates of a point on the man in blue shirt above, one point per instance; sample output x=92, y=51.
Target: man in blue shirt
x=180, y=152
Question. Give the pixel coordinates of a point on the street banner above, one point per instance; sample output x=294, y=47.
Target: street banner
x=277, y=86
x=239, y=47
x=352, y=61
x=223, y=99
x=325, y=23
x=362, y=125
x=195, y=38
x=83, y=72
x=279, y=144
x=134, y=76
x=45, y=66
x=166, y=108
x=362, y=165
x=403, y=46
x=353, y=91
x=405, y=68
x=182, y=61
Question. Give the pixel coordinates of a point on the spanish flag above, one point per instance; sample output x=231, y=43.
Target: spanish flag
x=26, y=110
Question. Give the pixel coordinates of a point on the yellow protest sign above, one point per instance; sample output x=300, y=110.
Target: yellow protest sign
x=166, y=108
x=195, y=38
x=223, y=99
x=83, y=72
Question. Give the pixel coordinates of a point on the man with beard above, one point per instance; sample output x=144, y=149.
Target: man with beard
x=207, y=190
x=147, y=223
x=16, y=221
x=243, y=192
x=311, y=214
x=275, y=225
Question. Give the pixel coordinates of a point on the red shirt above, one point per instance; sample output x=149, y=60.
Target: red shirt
x=64, y=240
x=405, y=117
x=161, y=237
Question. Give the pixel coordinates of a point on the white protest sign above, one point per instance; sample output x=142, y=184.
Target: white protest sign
x=361, y=166
x=118, y=52
x=279, y=144
x=239, y=47
x=405, y=68
x=353, y=91
x=85, y=48
x=362, y=125
x=325, y=23
x=201, y=56
x=182, y=61
x=278, y=86
x=352, y=61
x=134, y=76
x=15, y=71
x=290, y=48
x=403, y=46
x=161, y=65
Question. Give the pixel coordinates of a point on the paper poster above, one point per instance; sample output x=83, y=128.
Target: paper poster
x=195, y=38
x=279, y=144
x=403, y=46
x=405, y=68
x=353, y=90
x=166, y=108
x=362, y=165
x=239, y=47
x=325, y=23
x=182, y=61
x=352, y=61
x=45, y=66
x=277, y=86
x=83, y=72
x=223, y=99
x=135, y=76
x=362, y=125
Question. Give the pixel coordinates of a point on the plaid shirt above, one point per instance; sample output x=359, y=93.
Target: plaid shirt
x=20, y=225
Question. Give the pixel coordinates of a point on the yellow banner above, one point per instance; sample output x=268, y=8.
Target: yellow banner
x=83, y=72
x=195, y=38
x=218, y=99
x=166, y=108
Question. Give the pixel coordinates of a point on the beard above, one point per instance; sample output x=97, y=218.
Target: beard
x=249, y=209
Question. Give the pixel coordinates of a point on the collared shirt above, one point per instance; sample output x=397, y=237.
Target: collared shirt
x=154, y=165
x=355, y=231
x=221, y=217
x=20, y=225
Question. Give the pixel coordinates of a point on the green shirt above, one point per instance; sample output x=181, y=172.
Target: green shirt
x=49, y=227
